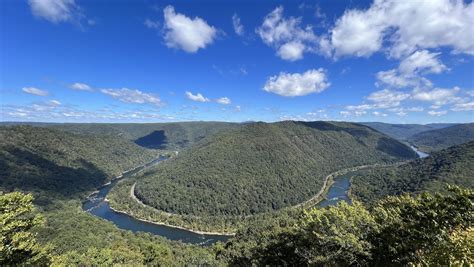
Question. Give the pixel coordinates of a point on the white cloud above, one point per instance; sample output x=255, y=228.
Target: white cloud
x=238, y=27
x=291, y=51
x=189, y=34
x=238, y=108
x=223, y=101
x=379, y=114
x=197, y=97
x=132, y=96
x=35, y=91
x=405, y=26
x=438, y=96
x=411, y=69
x=286, y=35
x=297, y=84
x=437, y=113
x=463, y=106
x=387, y=98
x=152, y=24
x=81, y=87
x=55, y=103
x=56, y=11
x=422, y=61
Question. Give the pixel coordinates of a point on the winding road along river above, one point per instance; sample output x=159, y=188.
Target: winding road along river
x=97, y=205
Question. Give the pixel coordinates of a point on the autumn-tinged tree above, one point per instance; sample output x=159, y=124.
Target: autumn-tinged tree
x=18, y=243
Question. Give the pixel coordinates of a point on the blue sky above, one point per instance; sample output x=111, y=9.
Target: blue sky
x=158, y=61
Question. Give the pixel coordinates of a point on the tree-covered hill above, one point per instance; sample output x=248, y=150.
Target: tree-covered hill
x=52, y=162
x=171, y=136
x=404, y=131
x=442, y=138
x=262, y=167
x=454, y=165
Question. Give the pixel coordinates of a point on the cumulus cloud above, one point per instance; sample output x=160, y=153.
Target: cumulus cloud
x=297, y=84
x=286, y=35
x=438, y=96
x=411, y=69
x=406, y=26
x=35, y=91
x=238, y=27
x=197, y=97
x=223, y=101
x=56, y=11
x=188, y=34
x=133, y=96
x=81, y=87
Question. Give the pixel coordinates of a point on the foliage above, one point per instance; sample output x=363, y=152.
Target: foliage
x=18, y=244
x=399, y=230
x=60, y=164
x=454, y=165
x=435, y=140
x=262, y=167
x=404, y=131
x=169, y=136
x=413, y=229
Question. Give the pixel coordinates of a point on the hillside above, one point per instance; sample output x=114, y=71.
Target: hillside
x=171, y=136
x=51, y=162
x=454, y=165
x=404, y=131
x=262, y=167
x=442, y=138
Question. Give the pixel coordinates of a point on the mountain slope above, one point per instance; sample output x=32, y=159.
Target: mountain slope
x=454, y=165
x=262, y=167
x=53, y=162
x=172, y=136
x=404, y=131
x=442, y=138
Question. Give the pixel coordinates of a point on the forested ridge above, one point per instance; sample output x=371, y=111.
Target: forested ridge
x=443, y=138
x=262, y=167
x=56, y=163
x=169, y=136
x=60, y=168
x=454, y=165
x=405, y=131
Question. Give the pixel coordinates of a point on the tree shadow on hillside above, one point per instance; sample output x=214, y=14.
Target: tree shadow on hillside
x=155, y=140
x=26, y=171
x=395, y=148
x=327, y=126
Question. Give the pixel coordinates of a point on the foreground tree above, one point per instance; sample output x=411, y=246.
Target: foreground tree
x=18, y=243
x=428, y=229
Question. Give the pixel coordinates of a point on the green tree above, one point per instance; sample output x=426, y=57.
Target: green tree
x=18, y=243
x=413, y=229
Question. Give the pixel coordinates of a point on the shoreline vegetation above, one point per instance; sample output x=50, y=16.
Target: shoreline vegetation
x=136, y=209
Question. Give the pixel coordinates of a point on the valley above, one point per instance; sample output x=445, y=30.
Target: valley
x=119, y=203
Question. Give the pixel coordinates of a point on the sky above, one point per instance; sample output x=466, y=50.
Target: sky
x=161, y=61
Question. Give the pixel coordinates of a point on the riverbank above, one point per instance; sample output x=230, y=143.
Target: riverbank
x=172, y=226
x=135, y=208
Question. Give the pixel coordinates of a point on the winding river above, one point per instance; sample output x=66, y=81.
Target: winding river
x=97, y=205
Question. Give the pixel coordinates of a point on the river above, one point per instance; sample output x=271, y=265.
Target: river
x=96, y=205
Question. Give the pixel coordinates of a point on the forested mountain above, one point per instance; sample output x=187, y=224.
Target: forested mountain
x=171, y=136
x=262, y=167
x=442, y=138
x=404, y=131
x=50, y=162
x=454, y=165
